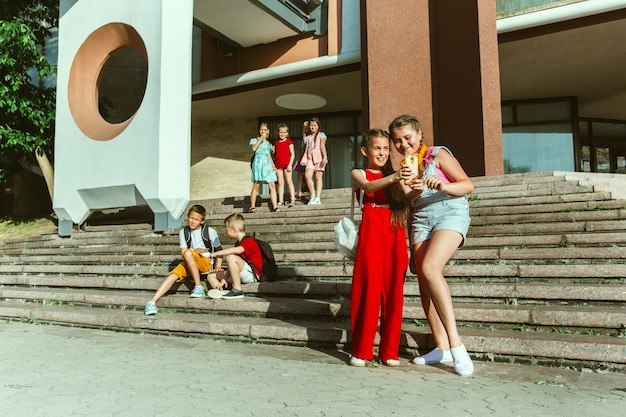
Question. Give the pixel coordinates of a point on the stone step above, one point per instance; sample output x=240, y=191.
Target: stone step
x=322, y=271
x=541, y=276
x=528, y=228
x=521, y=292
x=285, y=253
x=583, y=202
x=606, y=237
x=593, y=350
x=571, y=197
x=517, y=192
x=491, y=239
x=603, y=233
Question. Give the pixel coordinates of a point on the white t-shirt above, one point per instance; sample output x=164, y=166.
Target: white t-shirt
x=196, y=239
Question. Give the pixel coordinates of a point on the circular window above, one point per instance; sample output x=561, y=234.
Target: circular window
x=107, y=81
x=122, y=85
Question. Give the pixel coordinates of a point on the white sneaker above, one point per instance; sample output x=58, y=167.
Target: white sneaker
x=311, y=200
x=215, y=293
x=354, y=361
x=315, y=201
x=391, y=362
x=434, y=356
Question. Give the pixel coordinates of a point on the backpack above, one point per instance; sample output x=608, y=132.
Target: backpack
x=205, y=237
x=269, y=271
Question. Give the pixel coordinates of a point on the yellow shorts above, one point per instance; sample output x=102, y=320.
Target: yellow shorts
x=182, y=270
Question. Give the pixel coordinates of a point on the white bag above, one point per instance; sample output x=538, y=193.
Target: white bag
x=347, y=232
x=347, y=237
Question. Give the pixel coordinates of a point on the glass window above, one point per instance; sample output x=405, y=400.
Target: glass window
x=541, y=112
x=608, y=130
x=344, y=124
x=538, y=148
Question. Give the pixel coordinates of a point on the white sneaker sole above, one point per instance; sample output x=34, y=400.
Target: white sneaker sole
x=215, y=293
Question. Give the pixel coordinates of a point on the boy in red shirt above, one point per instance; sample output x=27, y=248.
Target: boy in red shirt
x=244, y=260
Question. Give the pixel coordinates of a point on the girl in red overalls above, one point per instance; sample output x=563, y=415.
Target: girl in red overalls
x=381, y=256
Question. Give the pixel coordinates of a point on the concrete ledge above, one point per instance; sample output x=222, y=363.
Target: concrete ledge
x=613, y=183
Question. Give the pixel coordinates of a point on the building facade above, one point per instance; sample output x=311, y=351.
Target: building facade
x=519, y=86
x=509, y=86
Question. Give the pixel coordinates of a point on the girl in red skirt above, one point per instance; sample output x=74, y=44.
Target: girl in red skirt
x=381, y=256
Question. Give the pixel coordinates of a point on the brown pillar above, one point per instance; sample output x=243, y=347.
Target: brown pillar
x=395, y=63
x=437, y=60
x=466, y=83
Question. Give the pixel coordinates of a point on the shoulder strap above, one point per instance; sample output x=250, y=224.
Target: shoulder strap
x=431, y=153
x=206, y=238
x=436, y=149
x=354, y=198
x=187, y=232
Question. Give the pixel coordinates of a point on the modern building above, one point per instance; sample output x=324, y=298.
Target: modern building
x=519, y=86
x=509, y=86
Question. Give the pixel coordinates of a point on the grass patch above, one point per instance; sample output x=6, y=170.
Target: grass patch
x=19, y=227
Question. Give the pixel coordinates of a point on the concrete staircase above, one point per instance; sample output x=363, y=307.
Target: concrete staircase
x=542, y=278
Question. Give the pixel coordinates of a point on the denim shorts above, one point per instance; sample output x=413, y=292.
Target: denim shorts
x=449, y=214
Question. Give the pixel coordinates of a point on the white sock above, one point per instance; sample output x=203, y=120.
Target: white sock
x=434, y=356
x=463, y=364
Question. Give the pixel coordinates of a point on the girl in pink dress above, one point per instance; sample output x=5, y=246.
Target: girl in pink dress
x=314, y=160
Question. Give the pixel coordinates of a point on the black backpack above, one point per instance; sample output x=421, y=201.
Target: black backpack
x=205, y=237
x=269, y=271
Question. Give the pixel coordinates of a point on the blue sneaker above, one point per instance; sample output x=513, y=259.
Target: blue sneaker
x=151, y=309
x=198, y=292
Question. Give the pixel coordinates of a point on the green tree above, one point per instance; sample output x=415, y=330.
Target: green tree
x=26, y=104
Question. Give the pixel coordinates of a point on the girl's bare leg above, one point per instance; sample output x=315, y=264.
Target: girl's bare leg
x=318, y=183
x=272, y=187
x=430, y=261
x=280, y=174
x=289, y=181
x=299, y=183
x=253, y=194
x=308, y=177
x=431, y=257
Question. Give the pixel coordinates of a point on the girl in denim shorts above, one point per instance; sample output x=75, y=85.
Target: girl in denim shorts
x=439, y=226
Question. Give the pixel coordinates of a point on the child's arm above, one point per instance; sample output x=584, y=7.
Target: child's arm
x=361, y=182
x=292, y=157
x=323, y=149
x=235, y=250
x=218, y=261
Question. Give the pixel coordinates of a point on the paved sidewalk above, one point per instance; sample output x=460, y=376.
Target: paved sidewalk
x=49, y=371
